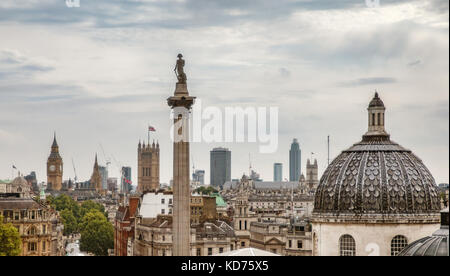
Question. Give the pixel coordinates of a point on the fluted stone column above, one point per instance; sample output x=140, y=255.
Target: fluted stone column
x=181, y=104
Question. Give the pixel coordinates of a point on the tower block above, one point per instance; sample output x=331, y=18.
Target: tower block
x=148, y=167
x=181, y=104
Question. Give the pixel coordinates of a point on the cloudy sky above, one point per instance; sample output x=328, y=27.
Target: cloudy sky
x=101, y=73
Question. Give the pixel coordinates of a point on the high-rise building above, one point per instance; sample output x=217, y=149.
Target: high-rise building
x=199, y=176
x=148, y=167
x=54, y=168
x=220, y=166
x=295, y=161
x=104, y=175
x=32, y=181
x=255, y=176
x=277, y=172
x=181, y=104
x=125, y=185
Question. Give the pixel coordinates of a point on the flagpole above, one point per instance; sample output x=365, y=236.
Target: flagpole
x=148, y=135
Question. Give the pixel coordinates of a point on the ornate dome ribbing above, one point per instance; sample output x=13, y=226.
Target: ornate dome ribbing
x=376, y=177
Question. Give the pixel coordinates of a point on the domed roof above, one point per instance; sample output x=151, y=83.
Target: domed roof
x=376, y=101
x=377, y=177
x=435, y=245
x=19, y=181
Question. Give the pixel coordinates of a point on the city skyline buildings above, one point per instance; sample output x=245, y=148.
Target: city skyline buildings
x=295, y=161
x=220, y=166
x=43, y=88
x=278, y=172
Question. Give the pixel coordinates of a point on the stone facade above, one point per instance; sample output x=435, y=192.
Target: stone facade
x=287, y=239
x=54, y=168
x=155, y=238
x=39, y=226
x=148, y=167
x=96, y=178
x=203, y=208
x=255, y=201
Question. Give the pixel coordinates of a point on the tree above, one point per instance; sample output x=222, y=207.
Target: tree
x=69, y=221
x=97, y=233
x=205, y=190
x=10, y=242
x=89, y=205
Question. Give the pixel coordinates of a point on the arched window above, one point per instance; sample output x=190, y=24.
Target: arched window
x=397, y=244
x=347, y=246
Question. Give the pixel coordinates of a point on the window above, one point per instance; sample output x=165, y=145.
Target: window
x=164, y=238
x=32, y=246
x=199, y=251
x=163, y=211
x=44, y=228
x=302, y=228
x=32, y=231
x=242, y=244
x=43, y=246
x=397, y=244
x=290, y=243
x=16, y=216
x=170, y=201
x=231, y=247
x=240, y=225
x=209, y=251
x=163, y=201
x=245, y=223
x=299, y=244
x=347, y=246
x=274, y=251
x=379, y=119
x=220, y=249
x=373, y=119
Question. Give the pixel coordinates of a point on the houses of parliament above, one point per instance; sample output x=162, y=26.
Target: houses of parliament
x=55, y=172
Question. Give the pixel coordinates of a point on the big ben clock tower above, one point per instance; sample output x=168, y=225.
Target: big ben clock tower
x=54, y=168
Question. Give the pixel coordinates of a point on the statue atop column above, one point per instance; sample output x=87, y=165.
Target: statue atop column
x=179, y=69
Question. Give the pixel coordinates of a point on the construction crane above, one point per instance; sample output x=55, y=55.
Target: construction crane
x=75, y=179
x=107, y=160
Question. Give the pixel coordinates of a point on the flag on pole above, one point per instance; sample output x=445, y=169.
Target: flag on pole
x=150, y=128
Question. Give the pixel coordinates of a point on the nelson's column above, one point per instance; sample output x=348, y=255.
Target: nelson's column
x=181, y=104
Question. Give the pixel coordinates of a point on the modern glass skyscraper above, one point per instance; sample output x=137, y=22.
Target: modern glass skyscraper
x=104, y=175
x=295, y=159
x=220, y=166
x=126, y=180
x=199, y=176
x=277, y=172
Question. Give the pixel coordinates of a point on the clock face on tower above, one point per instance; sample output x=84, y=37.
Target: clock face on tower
x=52, y=168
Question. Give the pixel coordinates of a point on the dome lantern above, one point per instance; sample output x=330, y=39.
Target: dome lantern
x=376, y=120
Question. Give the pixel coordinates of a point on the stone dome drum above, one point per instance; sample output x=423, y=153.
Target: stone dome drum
x=376, y=177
